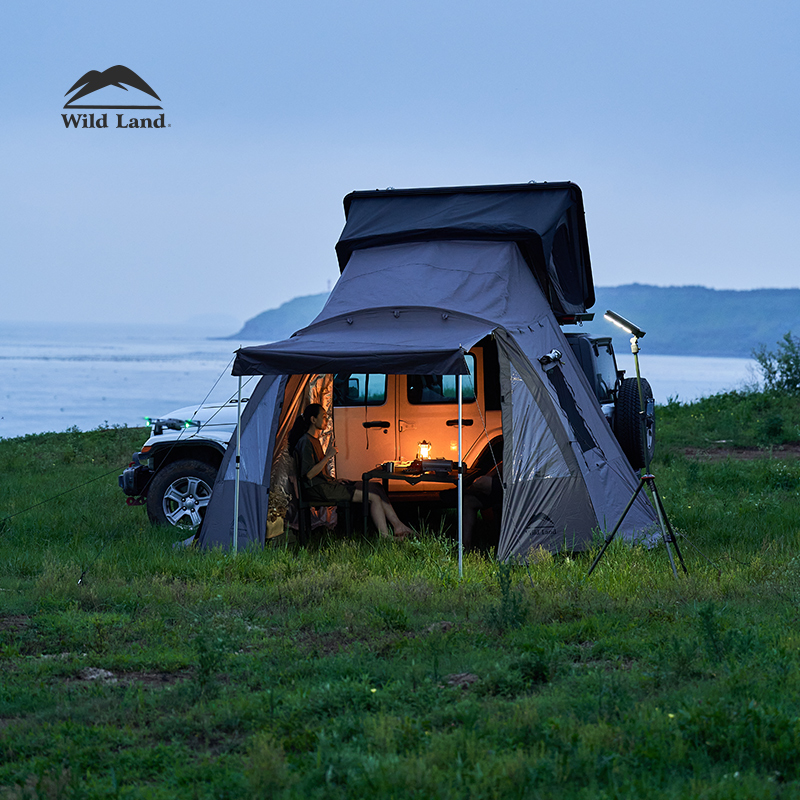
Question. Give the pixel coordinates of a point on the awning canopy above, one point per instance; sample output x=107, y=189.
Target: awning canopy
x=394, y=341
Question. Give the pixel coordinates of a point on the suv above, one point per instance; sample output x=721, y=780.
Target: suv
x=378, y=418
x=175, y=470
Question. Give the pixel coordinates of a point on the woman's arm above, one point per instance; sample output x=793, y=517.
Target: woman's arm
x=309, y=458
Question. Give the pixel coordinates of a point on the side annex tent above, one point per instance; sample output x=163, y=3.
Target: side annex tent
x=405, y=304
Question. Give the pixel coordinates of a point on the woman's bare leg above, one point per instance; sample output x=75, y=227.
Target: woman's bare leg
x=388, y=511
x=399, y=528
x=376, y=510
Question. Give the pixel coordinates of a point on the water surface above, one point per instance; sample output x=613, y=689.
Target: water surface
x=56, y=376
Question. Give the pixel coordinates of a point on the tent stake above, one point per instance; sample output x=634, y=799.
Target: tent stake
x=238, y=458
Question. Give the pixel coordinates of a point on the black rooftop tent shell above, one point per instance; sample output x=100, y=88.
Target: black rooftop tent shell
x=545, y=220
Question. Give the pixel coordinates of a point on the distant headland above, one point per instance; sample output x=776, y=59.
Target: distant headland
x=678, y=320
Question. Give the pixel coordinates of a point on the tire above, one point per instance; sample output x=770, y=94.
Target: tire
x=627, y=423
x=179, y=493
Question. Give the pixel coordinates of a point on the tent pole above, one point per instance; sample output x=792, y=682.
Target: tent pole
x=460, y=485
x=238, y=458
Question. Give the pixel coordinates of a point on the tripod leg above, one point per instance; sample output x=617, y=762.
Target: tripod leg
x=672, y=537
x=613, y=533
x=661, y=517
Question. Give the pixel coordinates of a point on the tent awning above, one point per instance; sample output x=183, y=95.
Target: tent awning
x=393, y=341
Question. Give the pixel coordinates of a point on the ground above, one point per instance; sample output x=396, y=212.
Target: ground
x=788, y=451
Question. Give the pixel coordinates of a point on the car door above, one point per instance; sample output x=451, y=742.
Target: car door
x=364, y=422
x=428, y=412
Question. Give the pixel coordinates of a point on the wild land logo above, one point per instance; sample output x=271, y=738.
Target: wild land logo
x=540, y=525
x=94, y=81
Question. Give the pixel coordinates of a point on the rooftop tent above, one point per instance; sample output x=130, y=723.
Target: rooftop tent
x=545, y=220
x=416, y=308
x=406, y=308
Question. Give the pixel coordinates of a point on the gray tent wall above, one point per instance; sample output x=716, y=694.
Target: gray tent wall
x=259, y=425
x=417, y=308
x=270, y=412
x=565, y=475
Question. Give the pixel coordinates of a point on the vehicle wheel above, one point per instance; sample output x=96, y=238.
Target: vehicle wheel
x=179, y=493
x=627, y=422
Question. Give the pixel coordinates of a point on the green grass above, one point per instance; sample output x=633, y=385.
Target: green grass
x=730, y=419
x=367, y=669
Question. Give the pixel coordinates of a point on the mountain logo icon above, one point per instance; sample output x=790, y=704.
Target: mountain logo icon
x=113, y=76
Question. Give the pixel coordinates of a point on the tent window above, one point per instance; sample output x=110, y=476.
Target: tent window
x=359, y=389
x=566, y=266
x=567, y=403
x=432, y=389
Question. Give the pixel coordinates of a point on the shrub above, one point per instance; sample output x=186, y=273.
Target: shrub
x=780, y=368
x=511, y=612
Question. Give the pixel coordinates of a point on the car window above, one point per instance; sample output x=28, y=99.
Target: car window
x=359, y=389
x=606, y=371
x=425, y=389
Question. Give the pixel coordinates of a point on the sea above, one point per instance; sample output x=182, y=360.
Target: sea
x=56, y=376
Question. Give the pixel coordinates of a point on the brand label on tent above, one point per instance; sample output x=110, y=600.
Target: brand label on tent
x=540, y=525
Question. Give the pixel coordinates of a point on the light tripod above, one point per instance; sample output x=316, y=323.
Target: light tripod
x=647, y=477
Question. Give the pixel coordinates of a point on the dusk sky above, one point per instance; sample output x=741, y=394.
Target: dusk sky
x=679, y=121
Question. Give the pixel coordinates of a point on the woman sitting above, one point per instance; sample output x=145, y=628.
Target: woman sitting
x=318, y=485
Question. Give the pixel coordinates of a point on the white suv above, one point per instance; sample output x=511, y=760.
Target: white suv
x=174, y=472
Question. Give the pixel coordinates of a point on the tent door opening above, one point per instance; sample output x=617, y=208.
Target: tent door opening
x=380, y=418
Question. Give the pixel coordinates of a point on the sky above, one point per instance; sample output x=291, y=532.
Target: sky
x=678, y=121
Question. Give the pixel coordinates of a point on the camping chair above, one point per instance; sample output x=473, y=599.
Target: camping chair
x=304, y=507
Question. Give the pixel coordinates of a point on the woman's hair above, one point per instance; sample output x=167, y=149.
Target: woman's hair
x=302, y=423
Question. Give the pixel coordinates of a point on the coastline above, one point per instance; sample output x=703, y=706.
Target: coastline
x=54, y=376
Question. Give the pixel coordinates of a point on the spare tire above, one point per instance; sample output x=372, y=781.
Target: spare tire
x=627, y=425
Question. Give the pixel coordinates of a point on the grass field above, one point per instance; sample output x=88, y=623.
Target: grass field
x=367, y=669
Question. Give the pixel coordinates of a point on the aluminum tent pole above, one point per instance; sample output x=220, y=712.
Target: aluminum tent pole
x=460, y=485
x=238, y=461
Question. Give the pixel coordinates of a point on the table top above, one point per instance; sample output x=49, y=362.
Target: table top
x=412, y=476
